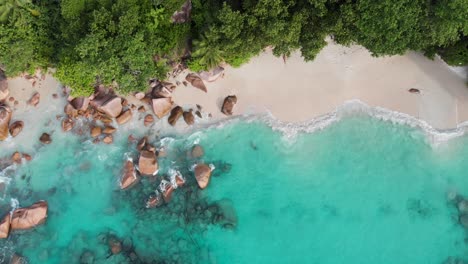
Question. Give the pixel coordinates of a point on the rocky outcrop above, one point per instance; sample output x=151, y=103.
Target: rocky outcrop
x=196, y=81
x=228, y=104
x=35, y=99
x=129, y=176
x=5, y=117
x=162, y=106
x=4, y=92
x=189, y=117
x=197, y=152
x=149, y=119
x=67, y=124
x=212, y=75
x=95, y=131
x=80, y=103
x=202, y=175
x=182, y=15
x=124, y=117
x=5, y=226
x=45, y=138
x=29, y=217
x=16, y=128
x=176, y=113
x=147, y=163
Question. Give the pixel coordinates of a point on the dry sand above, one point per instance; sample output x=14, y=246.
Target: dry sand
x=299, y=91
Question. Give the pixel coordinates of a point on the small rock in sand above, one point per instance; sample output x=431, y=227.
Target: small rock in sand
x=35, y=99
x=45, y=138
x=16, y=127
x=149, y=119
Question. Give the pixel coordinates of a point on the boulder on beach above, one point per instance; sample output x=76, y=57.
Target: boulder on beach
x=67, y=124
x=124, y=117
x=228, y=104
x=80, y=103
x=162, y=106
x=149, y=119
x=16, y=128
x=213, y=75
x=35, y=99
x=129, y=176
x=196, y=81
x=5, y=226
x=147, y=163
x=176, y=113
x=202, y=175
x=29, y=217
x=5, y=117
x=189, y=117
x=197, y=152
x=45, y=138
x=96, y=131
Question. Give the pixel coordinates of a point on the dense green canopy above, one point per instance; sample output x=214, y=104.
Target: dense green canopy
x=126, y=42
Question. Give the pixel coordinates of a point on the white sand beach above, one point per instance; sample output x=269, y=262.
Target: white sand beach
x=299, y=91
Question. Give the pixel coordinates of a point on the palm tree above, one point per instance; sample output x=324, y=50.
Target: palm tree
x=7, y=7
x=209, y=55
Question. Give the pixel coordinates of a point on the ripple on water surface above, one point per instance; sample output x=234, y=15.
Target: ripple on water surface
x=360, y=191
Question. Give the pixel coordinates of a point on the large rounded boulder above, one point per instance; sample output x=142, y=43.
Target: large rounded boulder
x=148, y=163
x=29, y=217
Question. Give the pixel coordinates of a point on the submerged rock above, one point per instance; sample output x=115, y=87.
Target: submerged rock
x=29, y=217
x=188, y=117
x=124, y=117
x=35, y=99
x=16, y=128
x=45, y=138
x=148, y=163
x=228, y=104
x=5, y=226
x=5, y=117
x=197, y=152
x=196, y=81
x=129, y=177
x=162, y=106
x=176, y=113
x=202, y=175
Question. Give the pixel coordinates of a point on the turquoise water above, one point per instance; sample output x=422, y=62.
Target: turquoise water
x=360, y=191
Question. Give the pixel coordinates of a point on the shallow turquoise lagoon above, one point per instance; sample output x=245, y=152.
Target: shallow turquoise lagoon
x=361, y=191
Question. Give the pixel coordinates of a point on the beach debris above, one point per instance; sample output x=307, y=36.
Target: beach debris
x=4, y=91
x=115, y=245
x=95, y=131
x=162, y=106
x=188, y=117
x=197, y=152
x=414, y=91
x=228, y=104
x=45, y=138
x=80, y=103
x=67, y=124
x=202, y=175
x=108, y=139
x=182, y=15
x=129, y=177
x=5, y=117
x=16, y=128
x=148, y=163
x=5, y=226
x=109, y=130
x=176, y=113
x=29, y=217
x=124, y=117
x=35, y=99
x=213, y=75
x=149, y=119
x=196, y=81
